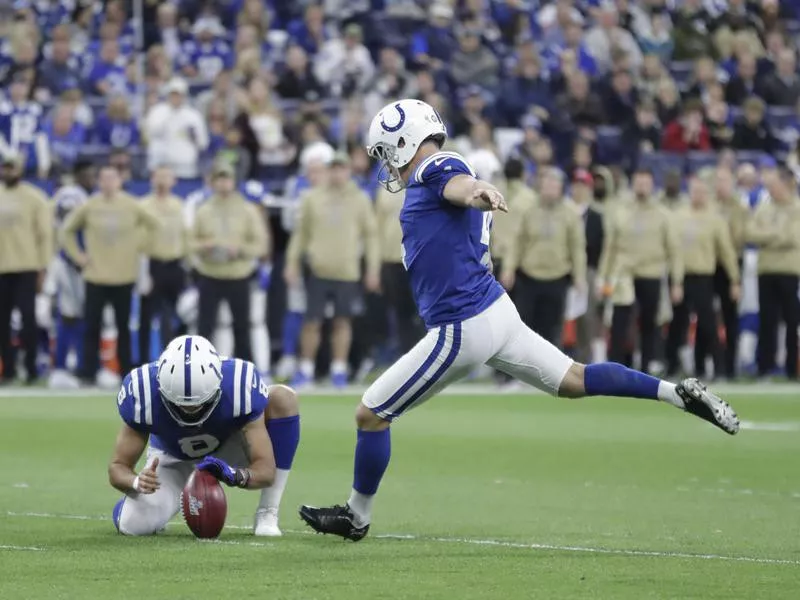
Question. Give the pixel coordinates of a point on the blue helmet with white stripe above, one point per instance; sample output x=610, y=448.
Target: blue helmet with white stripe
x=397, y=132
x=190, y=379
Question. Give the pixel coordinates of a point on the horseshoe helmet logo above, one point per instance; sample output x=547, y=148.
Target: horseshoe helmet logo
x=400, y=122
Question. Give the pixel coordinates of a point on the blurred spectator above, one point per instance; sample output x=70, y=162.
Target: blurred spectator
x=735, y=215
x=434, y=45
x=261, y=128
x=65, y=136
x=656, y=37
x=782, y=88
x=720, y=121
x=107, y=75
x=166, y=246
x=228, y=237
x=25, y=55
x=525, y=90
x=120, y=160
x=573, y=47
x=169, y=36
x=222, y=90
x=579, y=104
x=546, y=252
x=344, y=64
x=667, y=100
x=619, y=98
x=650, y=75
x=61, y=70
x=218, y=126
x=390, y=81
x=473, y=61
x=608, y=35
x=705, y=241
x=555, y=18
x=176, y=133
x=688, y=132
x=704, y=76
x=336, y=211
x=298, y=78
x=112, y=223
x=254, y=13
x=751, y=131
x=21, y=128
x=775, y=229
x=208, y=53
x=691, y=33
x=588, y=325
x=642, y=135
x=474, y=108
x=26, y=247
x=743, y=84
x=116, y=128
x=582, y=156
x=158, y=67
x=672, y=197
x=310, y=32
x=640, y=245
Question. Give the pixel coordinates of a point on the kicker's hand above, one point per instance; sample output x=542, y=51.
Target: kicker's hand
x=146, y=481
x=486, y=199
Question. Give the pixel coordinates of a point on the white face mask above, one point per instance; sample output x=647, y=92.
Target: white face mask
x=388, y=175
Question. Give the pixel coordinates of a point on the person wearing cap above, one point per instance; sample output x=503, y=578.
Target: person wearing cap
x=588, y=324
x=705, y=241
x=730, y=208
x=775, y=229
x=546, y=254
x=204, y=57
x=111, y=222
x=640, y=246
x=26, y=247
x=344, y=64
x=166, y=246
x=335, y=226
x=176, y=132
x=229, y=237
x=473, y=61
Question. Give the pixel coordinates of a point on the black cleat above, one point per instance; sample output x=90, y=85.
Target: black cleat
x=337, y=520
x=702, y=403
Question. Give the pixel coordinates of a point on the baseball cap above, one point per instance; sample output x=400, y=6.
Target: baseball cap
x=12, y=157
x=177, y=85
x=583, y=176
x=340, y=158
x=222, y=168
x=353, y=30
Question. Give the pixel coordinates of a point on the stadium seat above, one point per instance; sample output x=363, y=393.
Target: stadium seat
x=780, y=117
x=659, y=163
x=681, y=72
x=699, y=160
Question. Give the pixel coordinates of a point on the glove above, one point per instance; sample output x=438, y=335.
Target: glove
x=224, y=472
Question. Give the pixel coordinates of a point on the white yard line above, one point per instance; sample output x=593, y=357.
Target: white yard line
x=27, y=548
x=469, y=541
x=787, y=426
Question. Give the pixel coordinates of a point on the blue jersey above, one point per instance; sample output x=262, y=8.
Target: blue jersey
x=209, y=59
x=19, y=126
x=446, y=247
x=244, y=399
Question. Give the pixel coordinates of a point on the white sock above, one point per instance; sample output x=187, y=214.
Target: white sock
x=361, y=505
x=307, y=367
x=667, y=393
x=338, y=367
x=271, y=496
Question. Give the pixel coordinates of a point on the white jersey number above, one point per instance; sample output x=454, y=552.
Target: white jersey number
x=198, y=445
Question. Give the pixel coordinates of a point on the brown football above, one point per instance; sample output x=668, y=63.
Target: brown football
x=204, y=505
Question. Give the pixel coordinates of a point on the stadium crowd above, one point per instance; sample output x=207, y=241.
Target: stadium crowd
x=649, y=151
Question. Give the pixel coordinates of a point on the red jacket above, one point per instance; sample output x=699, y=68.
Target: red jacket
x=672, y=140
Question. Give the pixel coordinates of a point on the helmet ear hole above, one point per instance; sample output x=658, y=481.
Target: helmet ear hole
x=401, y=143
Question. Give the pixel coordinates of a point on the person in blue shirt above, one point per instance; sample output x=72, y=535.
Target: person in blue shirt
x=193, y=409
x=107, y=74
x=208, y=53
x=116, y=128
x=309, y=33
x=21, y=128
x=433, y=45
x=66, y=135
x=446, y=220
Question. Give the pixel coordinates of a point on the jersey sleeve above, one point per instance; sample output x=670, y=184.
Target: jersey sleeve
x=134, y=401
x=248, y=391
x=440, y=168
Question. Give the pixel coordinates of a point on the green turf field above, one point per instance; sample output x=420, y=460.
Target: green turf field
x=486, y=497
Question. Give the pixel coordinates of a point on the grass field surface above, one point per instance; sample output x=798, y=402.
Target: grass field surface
x=487, y=496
